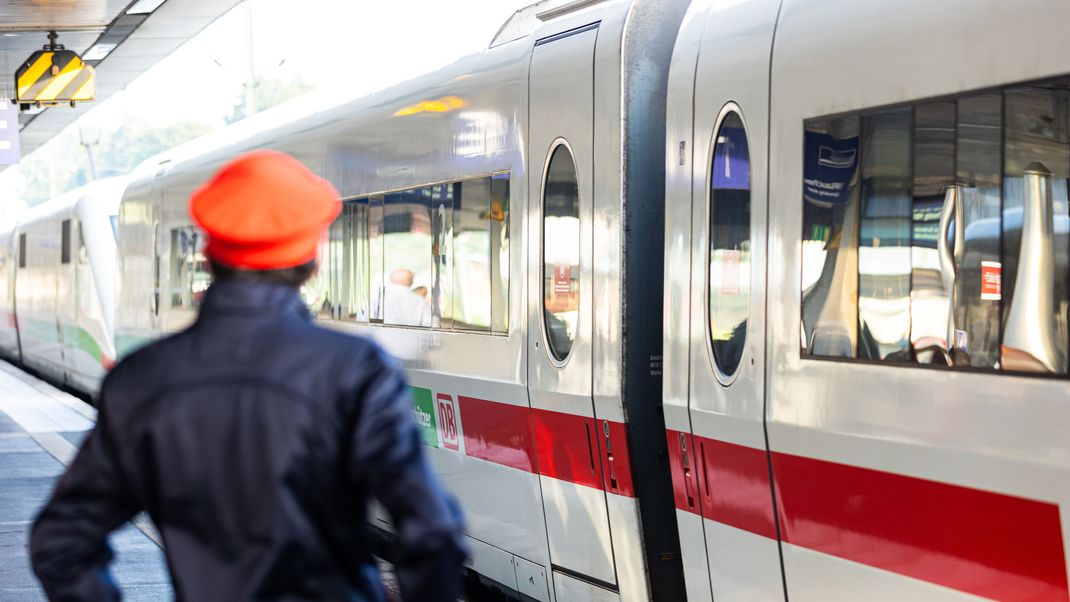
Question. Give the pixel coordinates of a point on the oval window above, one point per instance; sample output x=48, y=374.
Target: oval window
x=561, y=252
x=729, y=275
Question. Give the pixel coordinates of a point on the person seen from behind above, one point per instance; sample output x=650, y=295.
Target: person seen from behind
x=255, y=439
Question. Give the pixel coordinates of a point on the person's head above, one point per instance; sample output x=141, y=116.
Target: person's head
x=295, y=276
x=265, y=214
x=401, y=276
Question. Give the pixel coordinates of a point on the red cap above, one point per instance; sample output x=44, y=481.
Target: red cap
x=264, y=211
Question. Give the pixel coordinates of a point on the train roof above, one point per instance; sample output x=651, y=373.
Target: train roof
x=109, y=190
x=322, y=104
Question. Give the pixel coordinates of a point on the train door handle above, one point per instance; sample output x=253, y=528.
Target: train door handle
x=611, y=465
x=689, y=487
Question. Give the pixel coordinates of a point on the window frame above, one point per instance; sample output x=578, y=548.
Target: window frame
x=725, y=380
x=375, y=200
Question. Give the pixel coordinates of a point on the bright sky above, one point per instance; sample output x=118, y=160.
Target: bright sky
x=351, y=47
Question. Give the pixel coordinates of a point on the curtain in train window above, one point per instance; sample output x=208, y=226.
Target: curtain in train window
x=408, y=265
x=958, y=252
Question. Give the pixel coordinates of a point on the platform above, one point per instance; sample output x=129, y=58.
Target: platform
x=40, y=429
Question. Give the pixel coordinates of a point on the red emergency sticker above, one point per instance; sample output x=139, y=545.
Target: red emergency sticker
x=991, y=277
x=562, y=279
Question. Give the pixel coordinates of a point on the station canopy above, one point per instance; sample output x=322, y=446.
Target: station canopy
x=121, y=39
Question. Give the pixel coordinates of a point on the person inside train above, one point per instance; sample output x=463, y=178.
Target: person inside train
x=402, y=304
x=255, y=439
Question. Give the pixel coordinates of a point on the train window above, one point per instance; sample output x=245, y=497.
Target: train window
x=65, y=242
x=408, y=267
x=729, y=271
x=480, y=254
x=340, y=289
x=561, y=252
x=22, y=250
x=938, y=233
x=190, y=276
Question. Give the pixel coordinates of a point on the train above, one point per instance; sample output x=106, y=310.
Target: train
x=721, y=299
x=57, y=286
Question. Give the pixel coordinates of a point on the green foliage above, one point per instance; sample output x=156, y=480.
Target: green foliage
x=266, y=94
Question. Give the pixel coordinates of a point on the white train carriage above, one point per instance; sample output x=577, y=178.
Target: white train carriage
x=64, y=282
x=499, y=224
x=9, y=333
x=867, y=282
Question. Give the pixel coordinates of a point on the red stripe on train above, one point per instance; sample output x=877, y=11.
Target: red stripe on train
x=554, y=444
x=497, y=432
x=985, y=543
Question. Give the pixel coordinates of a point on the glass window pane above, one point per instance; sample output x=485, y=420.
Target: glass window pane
x=730, y=210
x=830, y=237
x=934, y=174
x=65, y=242
x=1035, y=254
x=884, y=238
x=983, y=201
x=190, y=276
x=407, y=259
x=376, y=277
x=357, y=252
x=561, y=252
x=499, y=252
x=472, y=255
x=975, y=321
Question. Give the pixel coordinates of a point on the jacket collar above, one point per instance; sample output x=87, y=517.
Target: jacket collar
x=253, y=299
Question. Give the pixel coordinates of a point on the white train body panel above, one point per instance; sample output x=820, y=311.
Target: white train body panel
x=536, y=450
x=64, y=291
x=841, y=469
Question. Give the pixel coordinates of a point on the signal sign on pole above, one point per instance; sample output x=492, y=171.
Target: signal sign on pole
x=54, y=75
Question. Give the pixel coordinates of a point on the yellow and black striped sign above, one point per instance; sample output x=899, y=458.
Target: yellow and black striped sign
x=54, y=76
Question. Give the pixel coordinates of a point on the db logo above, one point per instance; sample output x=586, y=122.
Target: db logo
x=447, y=422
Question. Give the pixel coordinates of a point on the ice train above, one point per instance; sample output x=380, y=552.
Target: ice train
x=728, y=299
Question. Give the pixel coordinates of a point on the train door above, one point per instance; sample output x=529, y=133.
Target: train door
x=726, y=392
x=561, y=147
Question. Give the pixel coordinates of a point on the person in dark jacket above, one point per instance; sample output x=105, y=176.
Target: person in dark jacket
x=255, y=439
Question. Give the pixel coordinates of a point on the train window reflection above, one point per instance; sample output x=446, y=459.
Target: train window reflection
x=408, y=265
x=190, y=276
x=472, y=254
x=561, y=252
x=436, y=256
x=497, y=221
x=730, y=246
x=938, y=233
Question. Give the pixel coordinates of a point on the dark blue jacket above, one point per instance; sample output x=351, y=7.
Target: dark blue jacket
x=254, y=440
